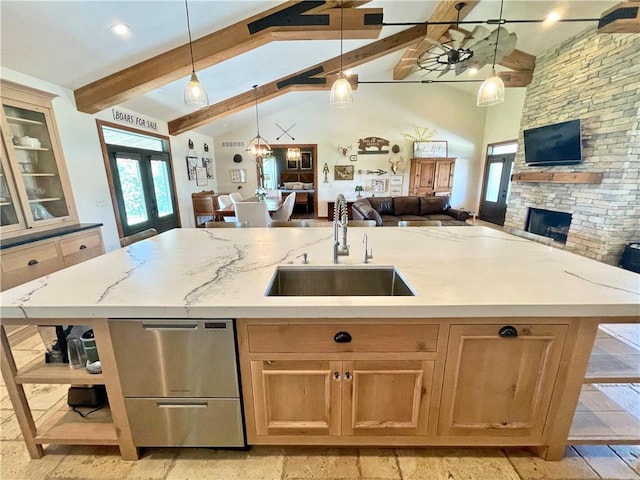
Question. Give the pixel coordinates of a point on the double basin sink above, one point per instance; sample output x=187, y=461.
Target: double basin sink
x=338, y=282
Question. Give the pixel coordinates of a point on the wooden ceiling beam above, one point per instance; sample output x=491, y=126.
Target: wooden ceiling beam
x=623, y=18
x=516, y=79
x=444, y=12
x=312, y=78
x=293, y=20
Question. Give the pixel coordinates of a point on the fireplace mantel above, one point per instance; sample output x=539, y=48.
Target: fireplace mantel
x=558, y=177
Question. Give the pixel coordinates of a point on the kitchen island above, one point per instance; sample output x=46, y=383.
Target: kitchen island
x=491, y=350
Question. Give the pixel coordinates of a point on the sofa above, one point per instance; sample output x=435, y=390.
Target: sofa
x=387, y=211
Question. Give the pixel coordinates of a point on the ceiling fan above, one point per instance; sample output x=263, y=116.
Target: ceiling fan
x=464, y=50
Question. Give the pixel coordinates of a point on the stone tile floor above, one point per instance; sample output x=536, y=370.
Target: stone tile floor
x=64, y=462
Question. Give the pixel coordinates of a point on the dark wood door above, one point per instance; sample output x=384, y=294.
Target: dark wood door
x=495, y=188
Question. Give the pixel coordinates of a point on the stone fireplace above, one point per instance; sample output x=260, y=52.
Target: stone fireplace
x=591, y=77
x=549, y=224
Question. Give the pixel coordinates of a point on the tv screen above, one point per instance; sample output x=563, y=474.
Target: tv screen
x=557, y=144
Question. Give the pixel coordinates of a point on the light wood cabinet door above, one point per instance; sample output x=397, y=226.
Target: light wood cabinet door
x=386, y=397
x=444, y=175
x=296, y=397
x=422, y=176
x=77, y=248
x=23, y=264
x=499, y=386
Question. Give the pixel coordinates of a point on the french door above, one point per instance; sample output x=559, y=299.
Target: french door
x=144, y=191
x=495, y=190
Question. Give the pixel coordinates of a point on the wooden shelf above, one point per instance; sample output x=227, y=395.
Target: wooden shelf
x=26, y=121
x=68, y=427
x=601, y=420
x=38, y=149
x=558, y=177
x=40, y=200
x=38, y=174
x=613, y=361
x=39, y=372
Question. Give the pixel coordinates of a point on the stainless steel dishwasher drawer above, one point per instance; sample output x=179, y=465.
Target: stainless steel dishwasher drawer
x=185, y=422
x=175, y=358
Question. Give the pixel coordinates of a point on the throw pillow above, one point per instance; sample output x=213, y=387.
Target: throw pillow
x=383, y=205
x=430, y=205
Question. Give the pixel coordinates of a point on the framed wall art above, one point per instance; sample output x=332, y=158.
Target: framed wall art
x=378, y=185
x=238, y=175
x=306, y=162
x=192, y=163
x=201, y=176
x=431, y=149
x=343, y=172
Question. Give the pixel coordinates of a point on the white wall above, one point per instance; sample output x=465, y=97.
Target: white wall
x=83, y=155
x=382, y=110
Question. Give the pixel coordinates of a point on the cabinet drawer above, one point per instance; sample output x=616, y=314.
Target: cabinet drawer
x=185, y=422
x=81, y=247
x=21, y=265
x=391, y=337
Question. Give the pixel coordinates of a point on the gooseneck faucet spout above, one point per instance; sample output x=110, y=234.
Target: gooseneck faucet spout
x=340, y=221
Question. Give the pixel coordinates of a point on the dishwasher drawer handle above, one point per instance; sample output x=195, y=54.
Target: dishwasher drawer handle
x=165, y=404
x=170, y=326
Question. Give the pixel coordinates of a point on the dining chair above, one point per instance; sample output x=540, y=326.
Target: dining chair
x=290, y=223
x=225, y=224
x=419, y=223
x=235, y=197
x=361, y=223
x=224, y=201
x=256, y=214
x=286, y=209
x=137, y=237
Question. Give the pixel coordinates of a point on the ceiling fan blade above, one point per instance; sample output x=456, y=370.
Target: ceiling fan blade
x=508, y=45
x=435, y=42
x=446, y=70
x=457, y=38
x=478, y=34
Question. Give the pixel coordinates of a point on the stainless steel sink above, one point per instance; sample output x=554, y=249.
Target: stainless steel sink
x=337, y=282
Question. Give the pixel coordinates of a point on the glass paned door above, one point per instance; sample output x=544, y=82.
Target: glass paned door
x=10, y=215
x=497, y=182
x=143, y=188
x=38, y=171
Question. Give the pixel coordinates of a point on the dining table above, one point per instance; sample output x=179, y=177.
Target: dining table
x=273, y=204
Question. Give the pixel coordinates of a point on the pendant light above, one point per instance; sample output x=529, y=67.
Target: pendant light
x=492, y=89
x=341, y=95
x=194, y=93
x=258, y=147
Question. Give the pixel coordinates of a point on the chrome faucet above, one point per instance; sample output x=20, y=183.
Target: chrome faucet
x=340, y=220
x=367, y=255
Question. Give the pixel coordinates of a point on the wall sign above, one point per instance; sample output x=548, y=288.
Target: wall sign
x=124, y=117
x=372, y=145
x=433, y=148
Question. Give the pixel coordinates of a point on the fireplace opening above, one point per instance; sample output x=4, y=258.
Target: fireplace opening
x=549, y=223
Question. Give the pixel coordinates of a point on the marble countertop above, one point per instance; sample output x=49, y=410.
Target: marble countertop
x=221, y=273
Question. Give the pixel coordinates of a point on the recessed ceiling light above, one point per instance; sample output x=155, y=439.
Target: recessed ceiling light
x=552, y=17
x=121, y=29
x=472, y=70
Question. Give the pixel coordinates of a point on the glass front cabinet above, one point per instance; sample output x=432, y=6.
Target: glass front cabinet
x=35, y=192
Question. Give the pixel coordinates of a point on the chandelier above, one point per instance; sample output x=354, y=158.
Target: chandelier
x=258, y=147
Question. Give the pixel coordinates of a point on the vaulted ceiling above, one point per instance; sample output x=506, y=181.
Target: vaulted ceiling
x=290, y=49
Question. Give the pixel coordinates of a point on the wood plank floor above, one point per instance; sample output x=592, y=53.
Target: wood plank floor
x=63, y=462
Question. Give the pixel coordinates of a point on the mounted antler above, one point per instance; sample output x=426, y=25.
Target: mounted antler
x=344, y=149
x=394, y=165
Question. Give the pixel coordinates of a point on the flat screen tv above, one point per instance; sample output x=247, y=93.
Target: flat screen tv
x=556, y=144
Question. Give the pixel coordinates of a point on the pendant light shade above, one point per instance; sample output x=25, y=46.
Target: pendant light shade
x=258, y=147
x=341, y=93
x=491, y=91
x=194, y=93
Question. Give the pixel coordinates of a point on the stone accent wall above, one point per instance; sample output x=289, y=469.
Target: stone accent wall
x=596, y=78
